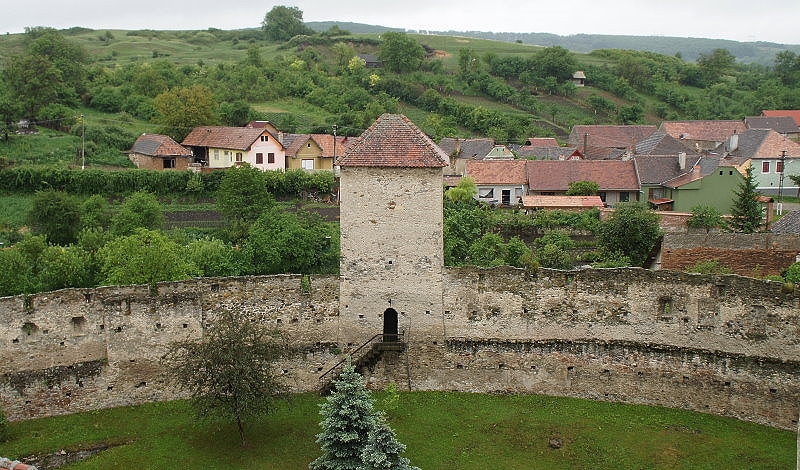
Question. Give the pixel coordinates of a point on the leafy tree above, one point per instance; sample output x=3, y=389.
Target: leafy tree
x=282, y=23
x=632, y=230
x=746, y=214
x=554, y=257
x=95, y=212
x=63, y=267
x=463, y=225
x=400, y=52
x=181, y=109
x=554, y=61
x=17, y=276
x=792, y=274
x=213, y=257
x=229, y=371
x=140, y=210
x=285, y=242
x=487, y=251
x=583, y=188
x=354, y=436
x=56, y=215
x=716, y=64
x=242, y=197
x=50, y=70
x=463, y=192
x=705, y=217
x=145, y=257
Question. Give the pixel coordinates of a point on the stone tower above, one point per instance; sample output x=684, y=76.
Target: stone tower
x=391, y=231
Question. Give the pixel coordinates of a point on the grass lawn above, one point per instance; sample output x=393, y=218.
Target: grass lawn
x=442, y=431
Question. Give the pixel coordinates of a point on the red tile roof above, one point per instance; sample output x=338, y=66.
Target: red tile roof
x=620, y=137
x=793, y=113
x=610, y=175
x=497, y=172
x=541, y=142
x=394, y=141
x=157, y=145
x=536, y=202
x=235, y=138
x=708, y=131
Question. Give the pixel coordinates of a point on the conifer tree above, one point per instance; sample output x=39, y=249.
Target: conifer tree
x=746, y=211
x=354, y=436
x=383, y=450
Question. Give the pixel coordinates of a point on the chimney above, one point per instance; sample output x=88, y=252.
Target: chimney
x=682, y=160
x=733, y=143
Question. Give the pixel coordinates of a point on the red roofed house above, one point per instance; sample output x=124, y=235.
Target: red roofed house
x=313, y=151
x=765, y=149
x=562, y=203
x=499, y=182
x=702, y=135
x=618, y=180
x=159, y=152
x=392, y=252
x=793, y=113
x=604, y=141
x=224, y=147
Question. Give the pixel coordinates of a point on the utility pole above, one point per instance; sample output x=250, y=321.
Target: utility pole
x=83, y=143
x=780, y=182
x=334, y=142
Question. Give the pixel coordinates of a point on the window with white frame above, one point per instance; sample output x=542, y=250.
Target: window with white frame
x=308, y=164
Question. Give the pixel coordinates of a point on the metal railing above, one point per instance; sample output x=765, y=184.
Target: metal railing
x=324, y=379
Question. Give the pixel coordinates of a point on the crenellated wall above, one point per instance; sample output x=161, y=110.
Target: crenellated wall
x=721, y=344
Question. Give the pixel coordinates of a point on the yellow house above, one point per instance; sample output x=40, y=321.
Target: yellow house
x=313, y=152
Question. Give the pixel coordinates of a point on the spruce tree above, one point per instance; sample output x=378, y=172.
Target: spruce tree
x=383, y=450
x=354, y=436
x=746, y=212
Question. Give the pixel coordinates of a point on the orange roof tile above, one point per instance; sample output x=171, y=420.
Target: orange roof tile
x=235, y=138
x=497, y=172
x=551, y=175
x=394, y=141
x=708, y=131
x=793, y=113
x=533, y=202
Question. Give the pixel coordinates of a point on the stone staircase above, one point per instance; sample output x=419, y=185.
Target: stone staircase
x=364, y=356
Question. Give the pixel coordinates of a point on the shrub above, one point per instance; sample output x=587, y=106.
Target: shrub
x=711, y=266
x=5, y=432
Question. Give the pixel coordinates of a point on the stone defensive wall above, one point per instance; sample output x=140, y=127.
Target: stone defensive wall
x=726, y=345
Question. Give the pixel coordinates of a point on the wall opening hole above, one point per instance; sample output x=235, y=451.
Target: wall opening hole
x=78, y=324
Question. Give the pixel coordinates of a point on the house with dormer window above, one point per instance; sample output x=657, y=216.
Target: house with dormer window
x=224, y=147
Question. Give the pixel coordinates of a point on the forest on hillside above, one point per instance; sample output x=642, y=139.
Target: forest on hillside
x=309, y=81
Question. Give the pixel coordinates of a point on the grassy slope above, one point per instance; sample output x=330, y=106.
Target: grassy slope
x=442, y=431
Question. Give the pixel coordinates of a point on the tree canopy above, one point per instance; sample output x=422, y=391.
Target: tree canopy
x=229, y=371
x=746, y=213
x=632, y=230
x=400, y=52
x=282, y=23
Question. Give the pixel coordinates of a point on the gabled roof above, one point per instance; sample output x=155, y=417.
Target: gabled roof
x=394, y=141
x=501, y=172
x=541, y=142
x=294, y=142
x=235, y=138
x=789, y=223
x=536, y=201
x=610, y=175
x=157, y=145
x=660, y=143
x=656, y=169
x=707, y=131
x=546, y=153
x=475, y=149
x=793, y=113
x=762, y=143
x=779, y=124
x=702, y=168
x=619, y=137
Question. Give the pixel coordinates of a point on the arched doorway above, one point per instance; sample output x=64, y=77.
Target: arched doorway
x=390, y=325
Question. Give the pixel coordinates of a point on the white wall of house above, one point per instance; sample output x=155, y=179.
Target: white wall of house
x=266, y=154
x=501, y=194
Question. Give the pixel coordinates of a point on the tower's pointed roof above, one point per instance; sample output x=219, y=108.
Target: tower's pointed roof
x=394, y=141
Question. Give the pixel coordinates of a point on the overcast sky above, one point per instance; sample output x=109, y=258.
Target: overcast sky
x=741, y=20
